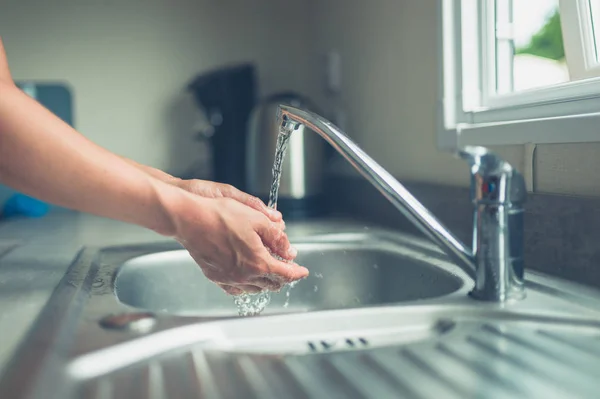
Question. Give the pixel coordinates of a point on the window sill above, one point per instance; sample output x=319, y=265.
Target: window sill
x=583, y=128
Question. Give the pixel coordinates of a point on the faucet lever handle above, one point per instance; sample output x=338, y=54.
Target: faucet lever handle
x=493, y=180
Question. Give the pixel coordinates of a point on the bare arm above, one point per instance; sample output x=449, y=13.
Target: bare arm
x=44, y=157
x=4, y=71
x=210, y=189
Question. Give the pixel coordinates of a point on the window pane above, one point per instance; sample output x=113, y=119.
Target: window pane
x=540, y=56
x=595, y=11
x=538, y=59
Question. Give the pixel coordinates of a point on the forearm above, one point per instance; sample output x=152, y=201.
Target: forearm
x=156, y=173
x=42, y=156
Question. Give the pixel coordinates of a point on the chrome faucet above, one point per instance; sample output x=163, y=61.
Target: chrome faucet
x=498, y=193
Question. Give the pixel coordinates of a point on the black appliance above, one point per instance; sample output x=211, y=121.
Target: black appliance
x=227, y=95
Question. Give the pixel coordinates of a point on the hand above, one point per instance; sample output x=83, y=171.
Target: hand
x=229, y=241
x=209, y=189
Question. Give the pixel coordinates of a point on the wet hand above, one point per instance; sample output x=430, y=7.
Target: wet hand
x=209, y=189
x=231, y=243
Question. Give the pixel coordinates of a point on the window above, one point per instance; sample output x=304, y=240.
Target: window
x=520, y=71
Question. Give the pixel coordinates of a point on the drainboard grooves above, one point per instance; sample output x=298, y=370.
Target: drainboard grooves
x=179, y=377
x=558, y=353
x=537, y=380
x=586, y=344
x=409, y=381
x=583, y=361
x=362, y=377
x=153, y=382
x=556, y=373
x=306, y=371
x=338, y=381
x=255, y=379
x=427, y=367
x=279, y=377
x=227, y=378
x=492, y=377
x=496, y=368
x=204, y=376
x=138, y=382
x=97, y=389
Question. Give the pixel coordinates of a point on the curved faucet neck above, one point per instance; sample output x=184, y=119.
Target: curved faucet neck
x=495, y=264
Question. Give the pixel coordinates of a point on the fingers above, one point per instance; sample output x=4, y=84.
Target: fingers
x=217, y=190
x=251, y=201
x=288, y=271
x=240, y=289
x=274, y=238
x=273, y=283
x=231, y=290
x=280, y=224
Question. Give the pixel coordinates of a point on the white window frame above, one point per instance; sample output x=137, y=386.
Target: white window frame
x=580, y=44
x=565, y=113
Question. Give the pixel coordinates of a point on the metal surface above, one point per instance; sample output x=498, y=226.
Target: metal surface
x=498, y=194
x=138, y=322
x=346, y=271
x=302, y=171
x=544, y=346
x=496, y=263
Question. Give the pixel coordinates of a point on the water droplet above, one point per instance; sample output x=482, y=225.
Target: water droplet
x=375, y=266
x=316, y=289
x=319, y=275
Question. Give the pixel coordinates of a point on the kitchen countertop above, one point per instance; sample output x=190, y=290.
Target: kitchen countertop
x=34, y=255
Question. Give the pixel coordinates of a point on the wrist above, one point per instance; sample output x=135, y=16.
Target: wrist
x=153, y=172
x=169, y=202
x=176, y=204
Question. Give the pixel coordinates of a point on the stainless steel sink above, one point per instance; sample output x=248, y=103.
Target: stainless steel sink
x=159, y=338
x=346, y=271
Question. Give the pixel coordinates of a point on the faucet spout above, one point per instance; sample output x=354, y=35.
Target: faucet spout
x=290, y=118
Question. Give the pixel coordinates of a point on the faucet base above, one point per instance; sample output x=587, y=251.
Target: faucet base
x=490, y=296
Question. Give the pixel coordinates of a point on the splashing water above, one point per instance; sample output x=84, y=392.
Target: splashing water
x=280, y=150
x=287, y=293
x=254, y=304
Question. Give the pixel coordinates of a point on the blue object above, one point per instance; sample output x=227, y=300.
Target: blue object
x=58, y=98
x=23, y=205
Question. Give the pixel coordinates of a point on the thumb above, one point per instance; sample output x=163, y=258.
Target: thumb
x=251, y=201
x=289, y=271
x=275, y=239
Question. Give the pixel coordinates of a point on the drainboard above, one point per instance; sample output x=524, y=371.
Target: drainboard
x=313, y=335
x=462, y=354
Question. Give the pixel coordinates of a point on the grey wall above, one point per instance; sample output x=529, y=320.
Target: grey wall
x=390, y=88
x=127, y=61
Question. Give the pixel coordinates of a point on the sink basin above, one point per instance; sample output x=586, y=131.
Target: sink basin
x=346, y=271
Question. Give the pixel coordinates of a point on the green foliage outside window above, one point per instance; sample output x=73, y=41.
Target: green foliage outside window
x=548, y=41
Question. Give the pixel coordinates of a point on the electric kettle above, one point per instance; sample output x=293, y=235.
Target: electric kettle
x=303, y=171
